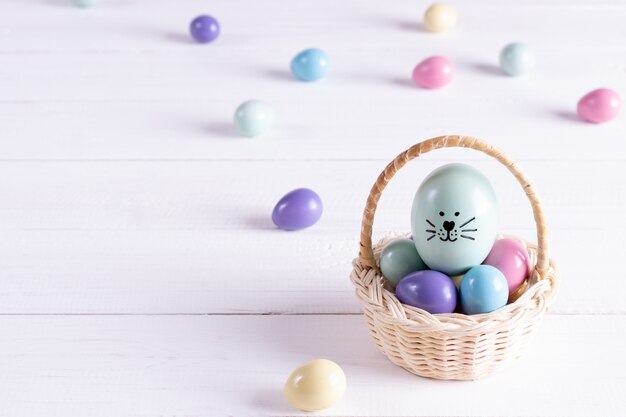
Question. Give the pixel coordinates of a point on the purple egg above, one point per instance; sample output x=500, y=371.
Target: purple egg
x=298, y=209
x=429, y=290
x=204, y=28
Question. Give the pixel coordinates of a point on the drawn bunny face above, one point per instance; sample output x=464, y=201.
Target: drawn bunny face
x=454, y=218
x=450, y=230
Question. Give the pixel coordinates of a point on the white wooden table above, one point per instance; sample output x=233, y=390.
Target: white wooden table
x=140, y=274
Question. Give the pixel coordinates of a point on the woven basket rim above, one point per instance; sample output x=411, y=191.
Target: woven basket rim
x=378, y=299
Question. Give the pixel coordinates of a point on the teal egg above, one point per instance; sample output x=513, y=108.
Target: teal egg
x=84, y=3
x=398, y=259
x=454, y=219
x=254, y=117
x=484, y=289
x=517, y=59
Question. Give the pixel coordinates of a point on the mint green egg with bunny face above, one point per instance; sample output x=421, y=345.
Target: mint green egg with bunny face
x=454, y=219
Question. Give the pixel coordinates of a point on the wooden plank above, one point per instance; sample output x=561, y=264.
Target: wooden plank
x=220, y=366
x=225, y=271
x=194, y=195
x=191, y=237
x=122, y=81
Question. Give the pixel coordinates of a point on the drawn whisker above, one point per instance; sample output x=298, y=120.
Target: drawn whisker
x=468, y=222
x=430, y=238
x=467, y=237
x=430, y=223
x=430, y=230
x=469, y=230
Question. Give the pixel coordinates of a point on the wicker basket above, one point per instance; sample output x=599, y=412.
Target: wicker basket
x=451, y=346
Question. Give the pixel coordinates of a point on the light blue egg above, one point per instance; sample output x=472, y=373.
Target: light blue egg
x=483, y=289
x=454, y=218
x=398, y=259
x=517, y=59
x=310, y=65
x=84, y=3
x=254, y=117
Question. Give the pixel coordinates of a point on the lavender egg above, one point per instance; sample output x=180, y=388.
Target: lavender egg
x=429, y=290
x=298, y=209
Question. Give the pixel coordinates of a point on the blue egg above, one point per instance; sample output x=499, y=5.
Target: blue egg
x=454, y=219
x=483, y=289
x=310, y=65
x=517, y=59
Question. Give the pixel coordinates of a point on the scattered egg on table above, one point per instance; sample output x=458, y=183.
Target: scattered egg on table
x=484, y=289
x=511, y=258
x=599, y=106
x=204, y=29
x=310, y=65
x=84, y=3
x=398, y=259
x=517, y=59
x=298, y=209
x=440, y=17
x=432, y=291
x=454, y=218
x=434, y=72
x=316, y=385
x=254, y=117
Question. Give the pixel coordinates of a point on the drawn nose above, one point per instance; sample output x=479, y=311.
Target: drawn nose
x=448, y=226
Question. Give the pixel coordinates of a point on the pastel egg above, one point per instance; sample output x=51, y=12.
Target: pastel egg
x=484, y=289
x=398, y=259
x=316, y=385
x=298, y=209
x=511, y=258
x=84, y=3
x=457, y=280
x=310, y=65
x=429, y=290
x=454, y=218
x=517, y=59
x=434, y=72
x=440, y=17
x=204, y=29
x=599, y=106
x=254, y=117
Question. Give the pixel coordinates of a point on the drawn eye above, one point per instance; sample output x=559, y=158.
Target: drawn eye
x=441, y=213
x=457, y=214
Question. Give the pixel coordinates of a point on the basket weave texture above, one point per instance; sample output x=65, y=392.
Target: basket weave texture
x=452, y=346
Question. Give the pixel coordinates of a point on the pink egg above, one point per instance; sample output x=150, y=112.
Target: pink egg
x=511, y=258
x=599, y=106
x=434, y=72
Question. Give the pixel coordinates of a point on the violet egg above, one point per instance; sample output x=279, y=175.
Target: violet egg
x=429, y=290
x=298, y=209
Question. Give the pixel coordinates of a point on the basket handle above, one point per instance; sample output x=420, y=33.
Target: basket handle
x=366, y=254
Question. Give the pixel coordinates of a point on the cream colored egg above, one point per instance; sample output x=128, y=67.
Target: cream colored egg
x=457, y=280
x=316, y=385
x=440, y=17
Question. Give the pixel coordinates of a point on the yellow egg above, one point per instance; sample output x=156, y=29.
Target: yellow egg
x=457, y=280
x=440, y=17
x=316, y=385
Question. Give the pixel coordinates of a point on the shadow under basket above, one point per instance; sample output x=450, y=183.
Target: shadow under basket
x=452, y=346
